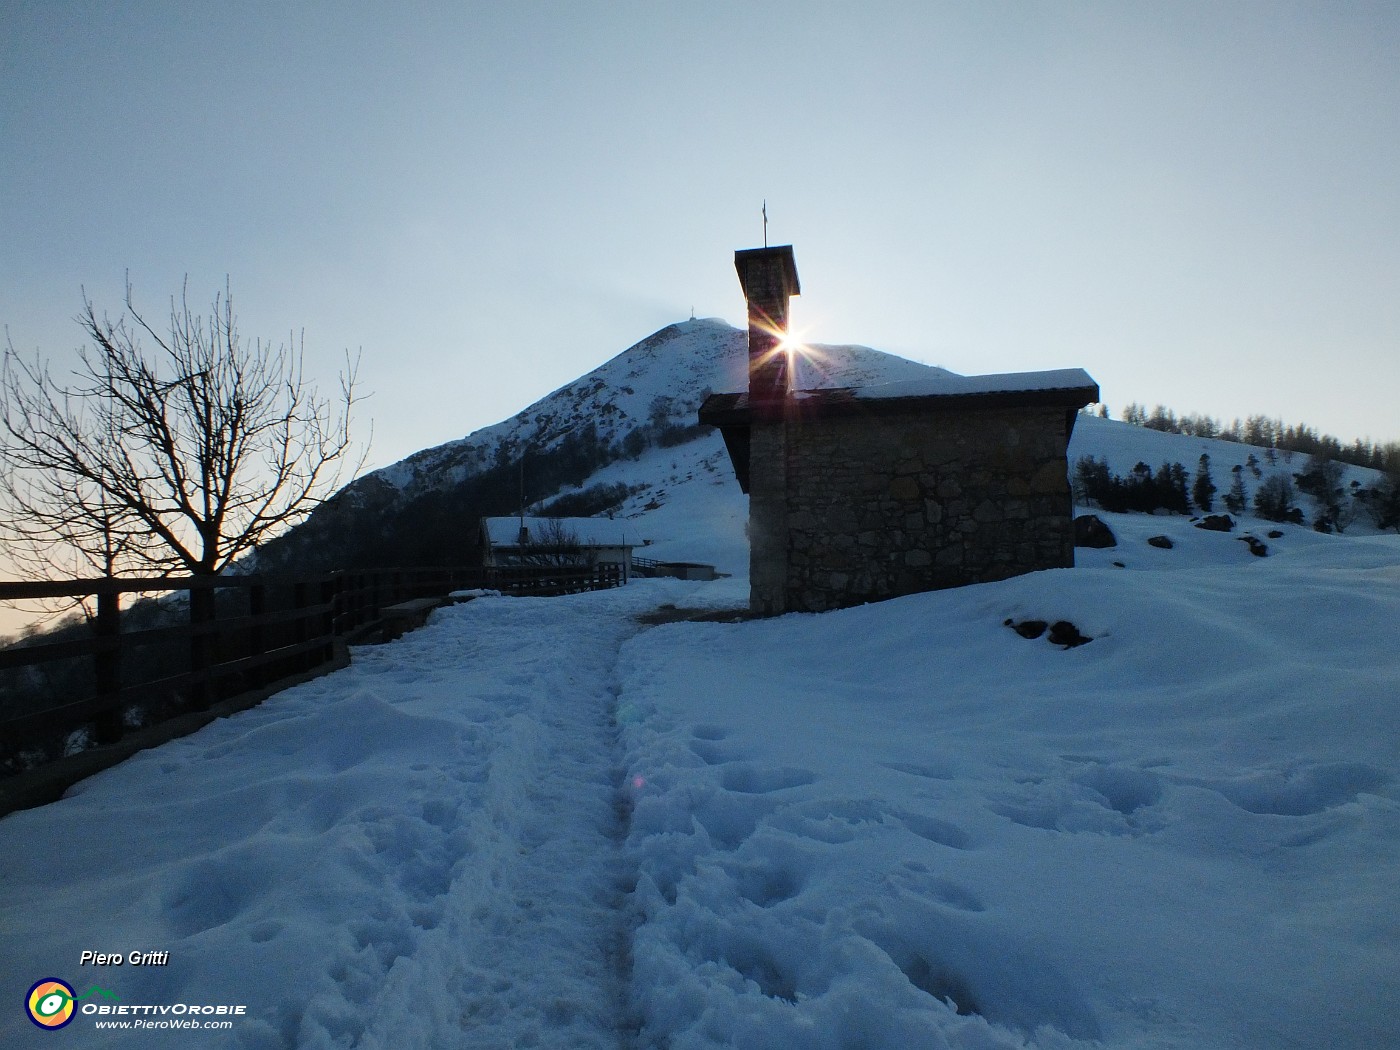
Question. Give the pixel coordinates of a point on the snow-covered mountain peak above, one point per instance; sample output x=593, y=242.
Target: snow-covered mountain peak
x=660, y=379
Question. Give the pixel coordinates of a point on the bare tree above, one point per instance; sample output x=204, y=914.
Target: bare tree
x=557, y=546
x=180, y=455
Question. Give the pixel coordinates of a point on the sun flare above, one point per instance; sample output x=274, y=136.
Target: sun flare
x=792, y=345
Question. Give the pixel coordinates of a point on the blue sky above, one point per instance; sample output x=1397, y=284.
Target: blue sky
x=1197, y=202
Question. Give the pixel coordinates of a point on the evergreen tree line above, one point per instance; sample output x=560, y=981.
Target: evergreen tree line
x=1335, y=504
x=1141, y=489
x=595, y=501
x=1264, y=432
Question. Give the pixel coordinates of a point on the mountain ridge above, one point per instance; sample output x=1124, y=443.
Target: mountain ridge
x=622, y=439
x=644, y=396
x=700, y=355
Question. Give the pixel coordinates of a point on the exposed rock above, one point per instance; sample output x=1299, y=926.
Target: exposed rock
x=1090, y=531
x=1161, y=541
x=1028, y=628
x=1217, y=523
x=1062, y=632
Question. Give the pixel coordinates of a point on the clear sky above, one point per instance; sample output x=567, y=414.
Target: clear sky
x=1197, y=202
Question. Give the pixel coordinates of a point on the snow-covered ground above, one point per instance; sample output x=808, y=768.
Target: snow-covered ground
x=424, y=849
x=1184, y=833
x=539, y=822
x=547, y=823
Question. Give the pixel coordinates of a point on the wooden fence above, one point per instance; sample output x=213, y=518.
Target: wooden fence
x=242, y=633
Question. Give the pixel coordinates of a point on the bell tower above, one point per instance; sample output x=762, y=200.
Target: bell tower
x=769, y=280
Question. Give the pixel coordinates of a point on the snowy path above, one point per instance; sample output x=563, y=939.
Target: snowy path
x=516, y=857
x=423, y=850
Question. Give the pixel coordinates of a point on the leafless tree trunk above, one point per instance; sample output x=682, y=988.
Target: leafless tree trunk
x=179, y=455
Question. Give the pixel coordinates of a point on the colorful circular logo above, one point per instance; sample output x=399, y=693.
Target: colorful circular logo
x=50, y=1003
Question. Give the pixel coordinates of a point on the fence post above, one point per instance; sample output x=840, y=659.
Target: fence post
x=358, y=600
x=108, y=664
x=300, y=631
x=335, y=619
x=257, y=635
x=330, y=587
x=201, y=645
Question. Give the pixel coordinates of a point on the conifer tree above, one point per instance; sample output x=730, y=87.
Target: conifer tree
x=1236, y=499
x=1274, y=500
x=1203, y=488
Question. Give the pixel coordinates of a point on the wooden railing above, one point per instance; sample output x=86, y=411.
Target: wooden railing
x=242, y=633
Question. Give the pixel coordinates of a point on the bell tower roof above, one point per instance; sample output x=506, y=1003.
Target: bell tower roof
x=767, y=273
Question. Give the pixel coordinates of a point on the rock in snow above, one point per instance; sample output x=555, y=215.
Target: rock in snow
x=1090, y=531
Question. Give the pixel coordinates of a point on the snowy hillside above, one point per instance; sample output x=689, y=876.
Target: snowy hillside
x=619, y=820
x=687, y=503
x=424, y=509
x=1124, y=445
x=624, y=440
x=682, y=495
x=668, y=372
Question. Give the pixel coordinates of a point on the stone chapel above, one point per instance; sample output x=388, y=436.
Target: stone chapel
x=861, y=494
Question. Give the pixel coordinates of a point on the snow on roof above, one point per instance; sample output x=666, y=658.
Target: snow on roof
x=591, y=532
x=950, y=383
x=1070, y=387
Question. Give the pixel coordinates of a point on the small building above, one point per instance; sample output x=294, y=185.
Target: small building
x=517, y=540
x=687, y=570
x=860, y=494
x=677, y=570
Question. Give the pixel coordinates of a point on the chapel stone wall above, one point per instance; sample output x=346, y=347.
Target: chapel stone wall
x=850, y=509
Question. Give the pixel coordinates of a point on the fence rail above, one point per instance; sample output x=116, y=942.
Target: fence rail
x=242, y=633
